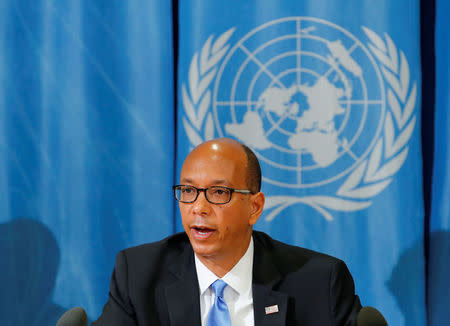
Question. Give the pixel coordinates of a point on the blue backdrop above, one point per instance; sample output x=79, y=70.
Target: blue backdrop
x=101, y=101
x=87, y=141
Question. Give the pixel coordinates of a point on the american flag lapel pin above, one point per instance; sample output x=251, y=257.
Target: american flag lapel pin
x=271, y=309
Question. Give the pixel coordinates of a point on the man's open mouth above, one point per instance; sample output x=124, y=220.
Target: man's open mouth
x=202, y=232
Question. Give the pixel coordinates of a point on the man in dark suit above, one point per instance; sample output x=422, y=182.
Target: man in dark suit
x=220, y=271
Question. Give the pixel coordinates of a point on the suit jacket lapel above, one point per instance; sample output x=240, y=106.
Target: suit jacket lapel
x=182, y=296
x=265, y=277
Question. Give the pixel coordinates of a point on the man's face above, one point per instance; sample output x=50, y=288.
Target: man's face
x=218, y=232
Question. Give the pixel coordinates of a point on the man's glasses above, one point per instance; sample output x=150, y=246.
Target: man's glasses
x=214, y=194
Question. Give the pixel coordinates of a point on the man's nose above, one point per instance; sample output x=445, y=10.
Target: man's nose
x=202, y=206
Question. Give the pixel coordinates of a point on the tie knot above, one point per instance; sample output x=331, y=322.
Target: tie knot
x=218, y=286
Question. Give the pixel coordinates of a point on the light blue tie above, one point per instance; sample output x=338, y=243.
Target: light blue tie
x=219, y=314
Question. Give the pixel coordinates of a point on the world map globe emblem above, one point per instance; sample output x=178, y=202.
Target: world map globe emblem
x=306, y=95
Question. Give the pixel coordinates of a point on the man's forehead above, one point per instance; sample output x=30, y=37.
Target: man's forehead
x=215, y=165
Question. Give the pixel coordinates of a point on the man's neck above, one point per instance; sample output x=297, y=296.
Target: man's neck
x=220, y=266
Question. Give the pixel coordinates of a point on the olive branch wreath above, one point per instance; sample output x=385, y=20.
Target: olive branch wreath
x=371, y=176
x=197, y=100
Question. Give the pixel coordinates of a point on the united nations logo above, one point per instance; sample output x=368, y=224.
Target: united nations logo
x=315, y=104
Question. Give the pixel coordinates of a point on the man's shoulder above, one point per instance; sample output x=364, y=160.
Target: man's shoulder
x=168, y=247
x=287, y=256
x=277, y=246
x=320, y=285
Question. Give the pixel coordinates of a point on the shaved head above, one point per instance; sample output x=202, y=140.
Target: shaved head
x=252, y=167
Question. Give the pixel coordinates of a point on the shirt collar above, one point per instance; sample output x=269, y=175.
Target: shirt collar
x=239, y=278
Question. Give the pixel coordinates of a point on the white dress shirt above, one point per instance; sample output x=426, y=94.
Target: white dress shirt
x=238, y=294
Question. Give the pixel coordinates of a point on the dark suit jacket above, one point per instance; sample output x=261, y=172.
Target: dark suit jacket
x=156, y=284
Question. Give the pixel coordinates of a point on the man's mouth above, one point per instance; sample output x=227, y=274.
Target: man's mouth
x=201, y=232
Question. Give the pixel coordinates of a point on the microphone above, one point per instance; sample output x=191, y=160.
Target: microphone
x=369, y=316
x=73, y=317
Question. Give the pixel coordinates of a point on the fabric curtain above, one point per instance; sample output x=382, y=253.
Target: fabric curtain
x=87, y=148
x=330, y=106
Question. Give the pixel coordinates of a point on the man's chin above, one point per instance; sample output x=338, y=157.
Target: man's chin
x=203, y=250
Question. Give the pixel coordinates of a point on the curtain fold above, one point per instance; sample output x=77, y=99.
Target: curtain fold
x=439, y=265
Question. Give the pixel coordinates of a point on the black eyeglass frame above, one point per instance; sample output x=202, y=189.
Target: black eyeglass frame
x=241, y=191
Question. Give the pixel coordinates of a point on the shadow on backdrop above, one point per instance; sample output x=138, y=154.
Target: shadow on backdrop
x=405, y=291
x=439, y=278
x=30, y=258
x=402, y=286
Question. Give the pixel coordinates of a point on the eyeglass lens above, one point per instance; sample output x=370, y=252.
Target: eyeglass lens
x=215, y=194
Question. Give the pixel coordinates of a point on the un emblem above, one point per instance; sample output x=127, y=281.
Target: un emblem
x=315, y=104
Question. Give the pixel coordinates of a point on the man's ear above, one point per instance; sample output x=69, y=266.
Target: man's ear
x=257, y=205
